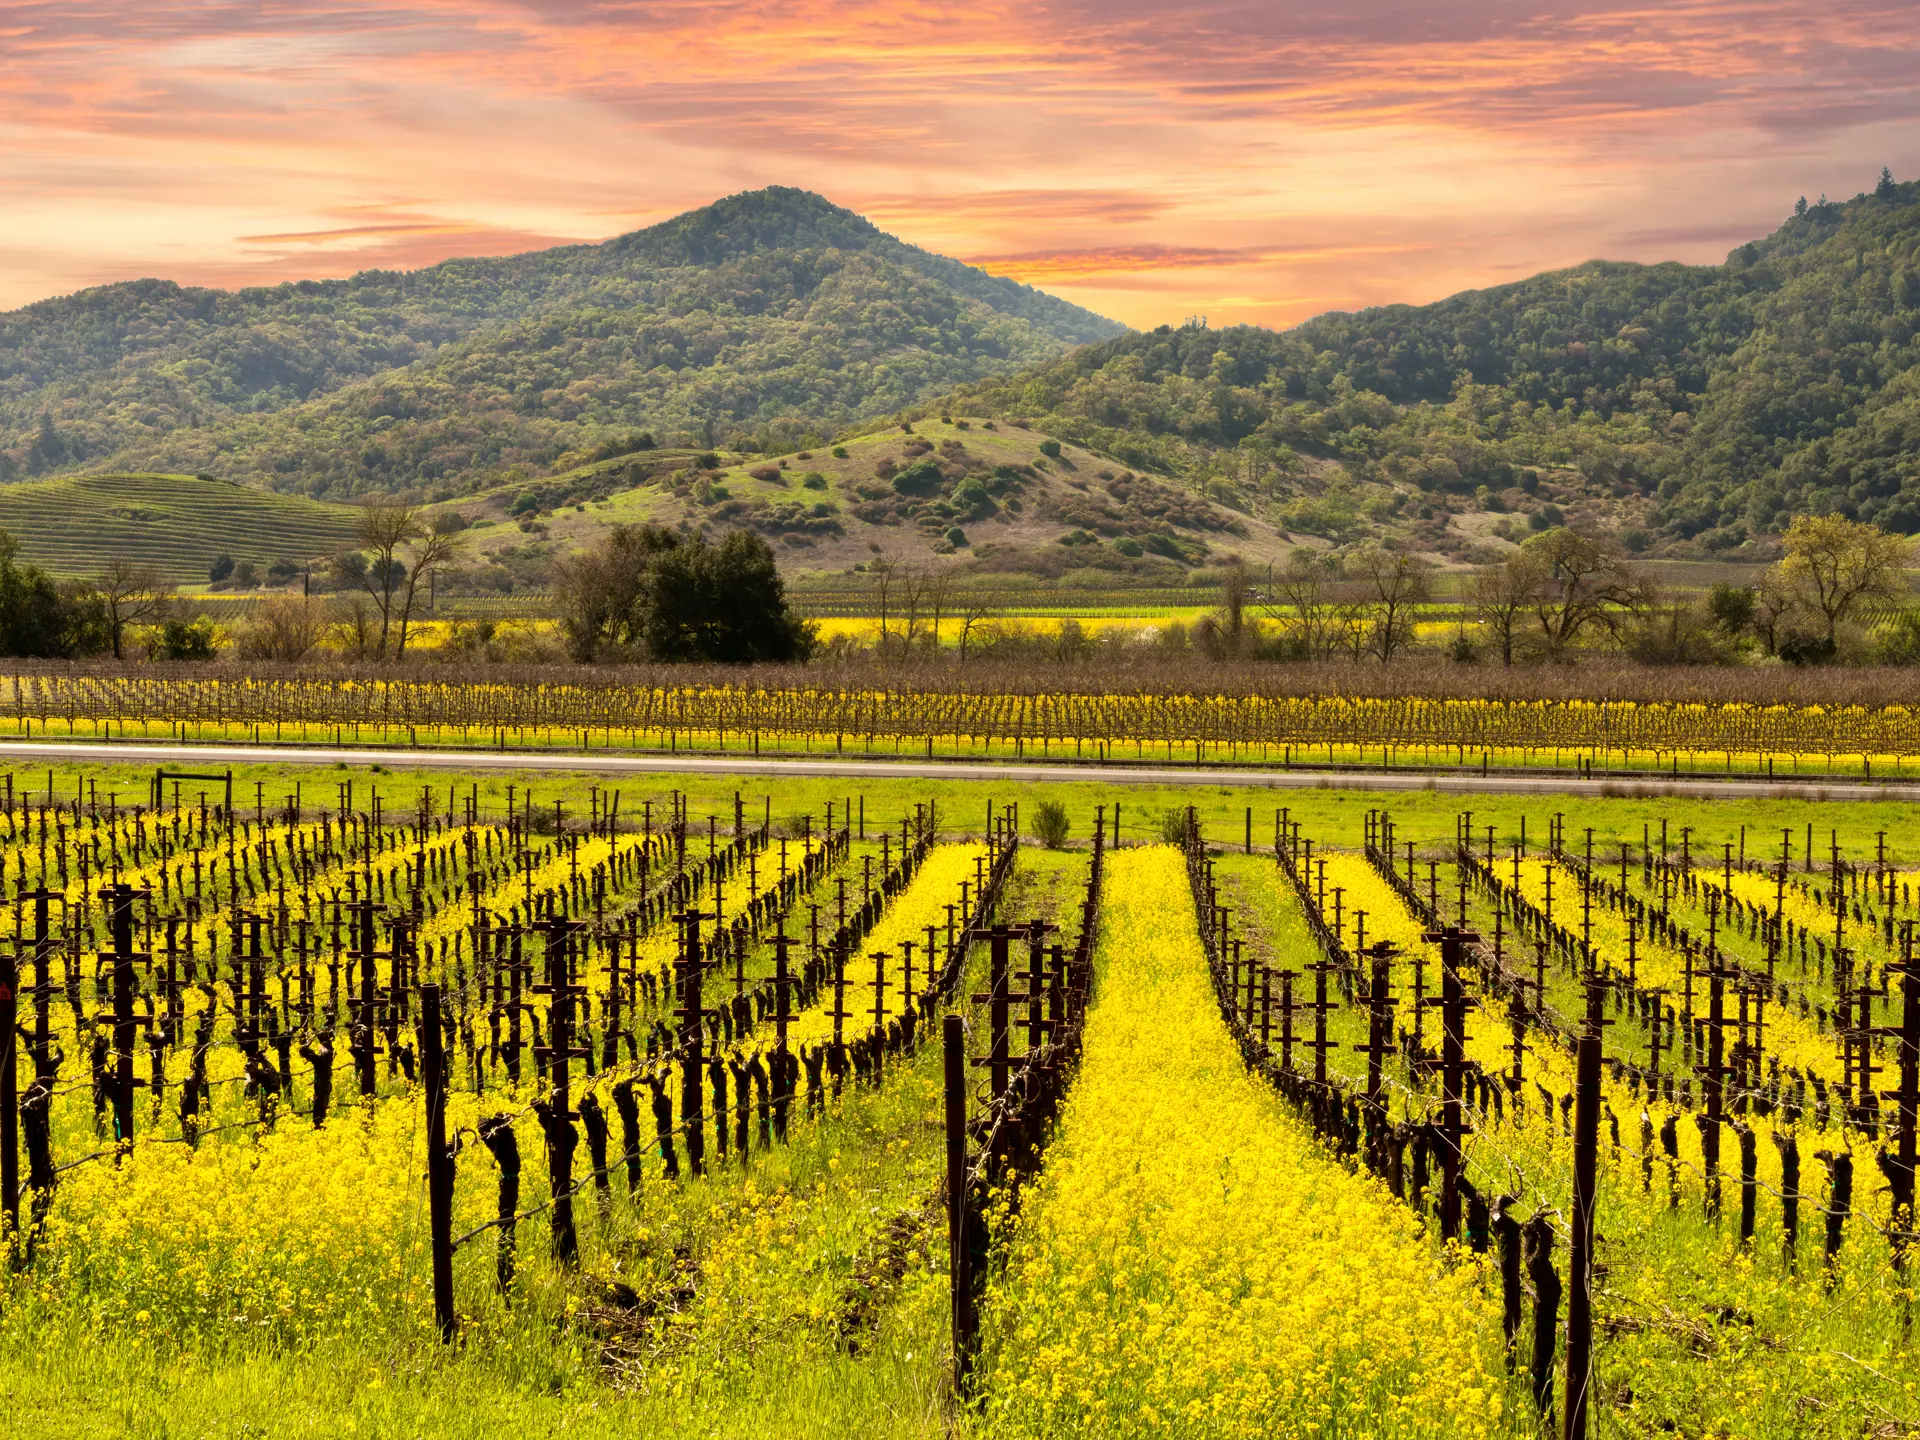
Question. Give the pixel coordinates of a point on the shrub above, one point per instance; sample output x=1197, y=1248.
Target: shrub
x=923, y=477
x=1129, y=547
x=970, y=498
x=186, y=640
x=839, y=452
x=1050, y=449
x=285, y=628
x=1049, y=824
x=1173, y=826
x=768, y=473
x=813, y=480
x=956, y=536
x=1899, y=643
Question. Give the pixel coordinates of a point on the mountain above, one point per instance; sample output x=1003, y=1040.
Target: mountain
x=1690, y=409
x=759, y=321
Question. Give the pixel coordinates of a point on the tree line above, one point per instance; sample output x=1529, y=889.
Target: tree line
x=1837, y=594
x=639, y=593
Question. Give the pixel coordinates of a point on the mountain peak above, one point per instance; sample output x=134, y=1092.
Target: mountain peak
x=778, y=217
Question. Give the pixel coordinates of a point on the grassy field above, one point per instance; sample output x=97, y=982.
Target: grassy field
x=72, y=525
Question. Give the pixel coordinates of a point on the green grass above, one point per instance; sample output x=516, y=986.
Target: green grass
x=180, y=523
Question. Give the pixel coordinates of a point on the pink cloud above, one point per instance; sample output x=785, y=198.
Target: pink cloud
x=1126, y=151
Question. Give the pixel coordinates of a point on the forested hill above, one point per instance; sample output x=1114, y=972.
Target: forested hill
x=769, y=316
x=1707, y=403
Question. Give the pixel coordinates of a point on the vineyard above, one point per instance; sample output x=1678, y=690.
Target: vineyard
x=1597, y=737
x=500, y=1105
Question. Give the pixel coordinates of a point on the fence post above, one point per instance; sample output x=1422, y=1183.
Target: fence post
x=433, y=1062
x=1586, y=1147
x=966, y=1321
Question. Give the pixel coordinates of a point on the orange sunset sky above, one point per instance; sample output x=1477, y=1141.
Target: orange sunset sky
x=1249, y=162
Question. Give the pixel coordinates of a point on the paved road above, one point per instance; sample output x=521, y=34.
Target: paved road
x=221, y=756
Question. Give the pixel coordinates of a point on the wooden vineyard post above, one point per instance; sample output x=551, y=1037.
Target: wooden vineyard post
x=433, y=1062
x=1453, y=1024
x=998, y=1061
x=1713, y=1083
x=1586, y=1151
x=1379, y=1029
x=1320, y=1005
x=556, y=1112
x=965, y=1318
x=366, y=1005
x=1287, y=1007
x=783, y=1063
x=120, y=898
x=692, y=1015
x=1899, y=1167
x=9, y=1100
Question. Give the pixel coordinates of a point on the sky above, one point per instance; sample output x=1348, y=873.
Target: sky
x=1253, y=163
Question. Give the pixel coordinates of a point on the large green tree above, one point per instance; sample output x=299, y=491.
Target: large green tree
x=649, y=593
x=41, y=620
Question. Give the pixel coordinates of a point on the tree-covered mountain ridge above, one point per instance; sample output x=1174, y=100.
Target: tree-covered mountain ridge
x=1687, y=408
x=764, y=319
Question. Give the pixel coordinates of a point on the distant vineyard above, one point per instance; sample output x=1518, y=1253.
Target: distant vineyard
x=179, y=523
x=1299, y=729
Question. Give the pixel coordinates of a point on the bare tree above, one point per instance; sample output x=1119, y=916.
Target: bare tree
x=131, y=592
x=285, y=628
x=353, y=630
x=882, y=572
x=972, y=615
x=938, y=590
x=601, y=590
x=430, y=553
x=383, y=527
x=913, y=598
x=1235, y=589
x=1304, y=604
x=1398, y=584
x=1773, y=605
x=1581, y=585
x=1503, y=595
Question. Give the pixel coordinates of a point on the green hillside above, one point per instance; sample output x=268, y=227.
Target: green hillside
x=761, y=320
x=952, y=494
x=1691, y=409
x=180, y=523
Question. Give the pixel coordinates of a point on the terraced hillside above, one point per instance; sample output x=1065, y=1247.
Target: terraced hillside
x=180, y=523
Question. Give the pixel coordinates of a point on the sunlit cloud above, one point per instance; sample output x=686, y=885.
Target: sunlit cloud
x=1264, y=158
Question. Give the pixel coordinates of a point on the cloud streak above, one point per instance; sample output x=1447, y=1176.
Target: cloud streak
x=1143, y=157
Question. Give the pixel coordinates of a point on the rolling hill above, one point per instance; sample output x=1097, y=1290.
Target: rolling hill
x=949, y=492
x=766, y=319
x=1692, y=410
x=71, y=525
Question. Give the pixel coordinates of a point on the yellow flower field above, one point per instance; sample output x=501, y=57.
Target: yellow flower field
x=1191, y=1264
